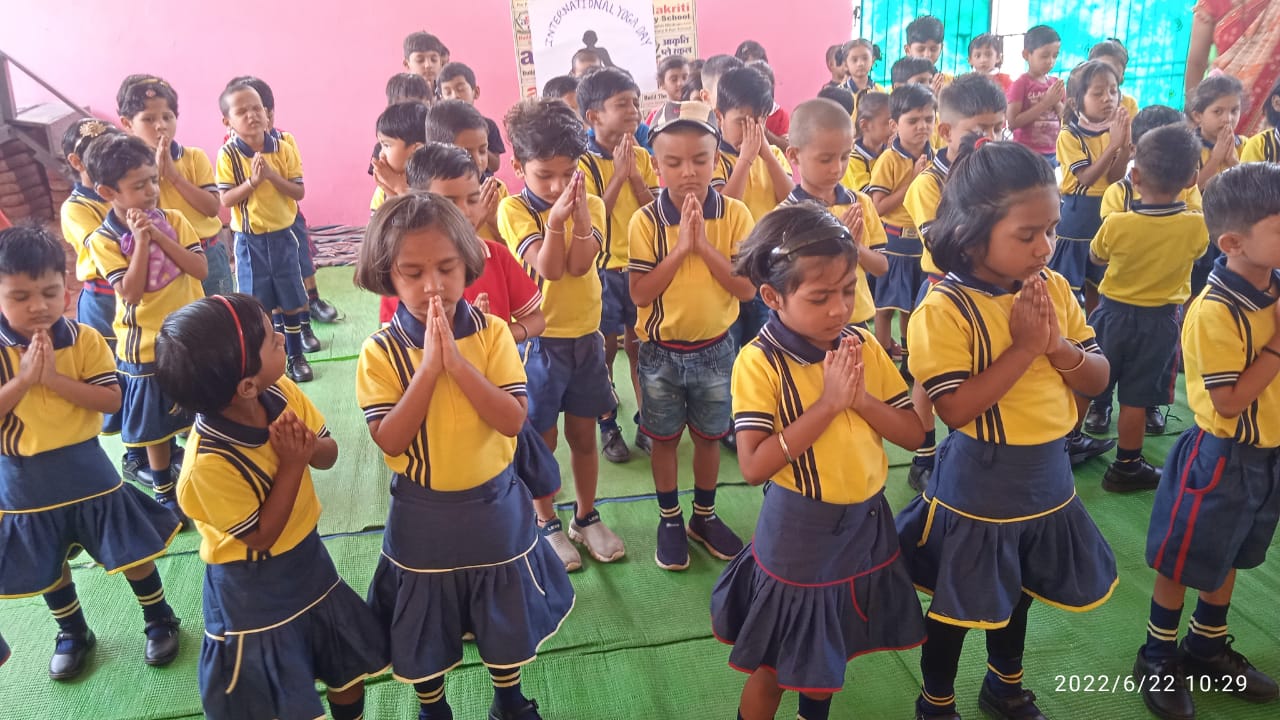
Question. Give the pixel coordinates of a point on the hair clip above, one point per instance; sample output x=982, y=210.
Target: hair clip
x=782, y=250
x=980, y=142
x=92, y=128
x=151, y=92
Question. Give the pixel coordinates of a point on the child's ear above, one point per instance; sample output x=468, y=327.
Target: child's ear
x=1026, y=55
x=107, y=192
x=944, y=130
x=705, y=96
x=517, y=167
x=771, y=297
x=1196, y=117
x=791, y=155
x=75, y=162
x=1191, y=181
x=1275, y=102
x=405, y=63
x=1230, y=243
x=247, y=387
x=475, y=91
x=414, y=148
x=127, y=124
x=719, y=115
x=1135, y=176
x=226, y=122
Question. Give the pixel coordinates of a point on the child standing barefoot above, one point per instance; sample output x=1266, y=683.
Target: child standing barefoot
x=814, y=397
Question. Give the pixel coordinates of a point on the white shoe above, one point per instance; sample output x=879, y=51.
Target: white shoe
x=603, y=544
x=553, y=533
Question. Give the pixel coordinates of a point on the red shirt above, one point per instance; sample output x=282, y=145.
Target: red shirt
x=512, y=293
x=778, y=122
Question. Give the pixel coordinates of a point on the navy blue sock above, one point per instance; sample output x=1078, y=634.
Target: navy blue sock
x=65, y=607
x=431, y=702
x=1124, y=457
x=313, y=294
x=669, y=504
x=292, y=335
x=277, y=322
x=350, y=711
x=506, y=688
x=811, y=709
x=1004, y=652
x=1162, y=632
x=924, y=456
x=164, y=484
x=704, y=501
x=139, y=454
x=1207, y=634
x=150, y=594
x=304, y=317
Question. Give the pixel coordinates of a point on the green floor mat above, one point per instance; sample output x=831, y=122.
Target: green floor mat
x=638, y=644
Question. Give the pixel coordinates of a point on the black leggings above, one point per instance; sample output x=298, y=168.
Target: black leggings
x=940, y=656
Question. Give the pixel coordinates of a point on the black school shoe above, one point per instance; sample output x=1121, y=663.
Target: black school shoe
x=322, y=311
x=918, y=477
x=1018, y=707
x=528, y=712
x=1137, y=476
x=1164, y=687
x=132, y=468
x=1155, y=421
x=1083, y=449
x=162, y=641
x=70, y=654
x=1098, y=420
x=299, y=370
x=1226, y=670
x=310, y=343
x=612, y=446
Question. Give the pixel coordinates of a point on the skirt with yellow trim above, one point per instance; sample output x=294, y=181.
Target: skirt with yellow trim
x=273, y=627
x=898, y=287
x=818, y=585
x=117, y=525
x=1081, y=218
x=997, y=521
x=466, y=561
x=148, y=415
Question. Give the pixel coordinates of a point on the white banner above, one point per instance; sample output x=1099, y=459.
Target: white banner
x=619, y=31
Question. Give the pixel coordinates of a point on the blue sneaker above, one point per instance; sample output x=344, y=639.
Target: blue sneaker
x=673, y=546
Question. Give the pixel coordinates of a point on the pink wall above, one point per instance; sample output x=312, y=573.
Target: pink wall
x=328, y=66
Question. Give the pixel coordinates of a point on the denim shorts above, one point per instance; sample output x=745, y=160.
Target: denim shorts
x=681, y=388
x=219, y=281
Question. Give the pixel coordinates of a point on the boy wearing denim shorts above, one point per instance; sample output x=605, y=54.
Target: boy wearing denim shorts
x=687, y=297
x=1218, y=501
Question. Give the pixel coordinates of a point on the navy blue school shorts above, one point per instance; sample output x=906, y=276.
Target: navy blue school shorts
x=1216, y=509
x=267, y=268
x=1141, y=343
x=567, y=375
x=617, y=312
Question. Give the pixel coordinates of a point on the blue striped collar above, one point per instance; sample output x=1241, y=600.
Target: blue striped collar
x=982, y=286
x=538, y=204
x=1239, y=289
x=941, y=163
x=669, y=212
x=1074, y=127
x=897, y=147
x=466, y=321
x=86, y=192
x=63, y=333
x=852, y=86
x=862, y=151
x=114, y=227
x=1162, y=210
x=175, y=150
x=270, y=144
x=727, y=149
x=797, y=348
x=1208, y=144
x=843, y=196
x=219, y=427
x=595, y=148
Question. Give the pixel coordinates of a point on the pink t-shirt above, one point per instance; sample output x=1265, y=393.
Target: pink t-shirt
x=1041, y=135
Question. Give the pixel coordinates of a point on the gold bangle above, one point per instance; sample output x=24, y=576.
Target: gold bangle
x=525, y=329
x=551, y=230
x=786, y=451
x=1084, y=355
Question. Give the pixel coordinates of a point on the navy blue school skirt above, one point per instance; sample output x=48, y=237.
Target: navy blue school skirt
x=466, y=561
x=898, y=288
x=535, y=464
x=999, y=520
x=1081, y=218
x=56, y=501
x=149, y=416
x=818, y=585
x=274, y=627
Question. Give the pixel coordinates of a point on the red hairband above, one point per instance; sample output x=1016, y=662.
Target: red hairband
x=981, y=141
x=239, y=331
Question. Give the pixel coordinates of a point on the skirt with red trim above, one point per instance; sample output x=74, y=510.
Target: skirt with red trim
x=818, y=585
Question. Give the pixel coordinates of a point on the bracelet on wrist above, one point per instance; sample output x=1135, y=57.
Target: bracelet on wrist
x=786, y=451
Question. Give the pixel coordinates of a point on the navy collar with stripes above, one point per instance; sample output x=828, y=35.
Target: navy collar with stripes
x=727, y=149
x=982, y=286
x=669, y=212
x=175, y=150
x=114, y=226
x=1160, y=210
x=219, y=427
x=538, y=204
x=1240, y=289
x=1074, y=126
x=63, y=334
x=466, y=321
x=86, y=192
x=864, y=152
x=897, y=147
x=941, y=163
x=596, y=148
x=270, y=144
x=777, y=334
x=843, y=196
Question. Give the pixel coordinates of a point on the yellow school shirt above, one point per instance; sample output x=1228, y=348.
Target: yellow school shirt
x=873, y=236
x=137, y=325
x=484, y=232
x=695, y=307
x=1263, y=147
x=1077, y=149
x=1121, y=196
x=758, y=194
x=266, y=209
x=1128, y=102
x=858, y=175
x=229, y=472
x=597, y=165
x=963, y=326
x=570, y=304
x=193, y=165
x=455, y=449
x=778, y=375
x=921, y=202
x=43, y=420
x=379, y=197
x=1149, y=252
x=82, y=213
x=892, y=168
x=1223, y=333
